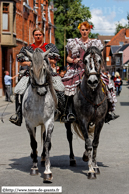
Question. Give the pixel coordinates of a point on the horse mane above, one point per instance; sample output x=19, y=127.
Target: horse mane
x=93, y=50
x=49, y=80
x=37, y=64
x=38, y=67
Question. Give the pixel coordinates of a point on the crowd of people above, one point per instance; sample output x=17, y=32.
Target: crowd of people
x=68, y=81
x=117, y=80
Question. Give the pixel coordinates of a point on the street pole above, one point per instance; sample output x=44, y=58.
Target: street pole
x=64, y=46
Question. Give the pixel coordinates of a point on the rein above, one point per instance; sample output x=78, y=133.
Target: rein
x=92, y=103
x=35, y=85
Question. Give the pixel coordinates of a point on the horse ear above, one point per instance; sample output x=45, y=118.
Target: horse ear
x=46, y=53
x=29, y=54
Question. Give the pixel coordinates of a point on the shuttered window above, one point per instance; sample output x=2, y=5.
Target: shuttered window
x=5, y=16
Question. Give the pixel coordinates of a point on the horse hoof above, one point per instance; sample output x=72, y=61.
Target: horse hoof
x=97, y=171
x=85, y=158
x=47, y=178
x=34, y=171
x=91, y=175
x=72, y=162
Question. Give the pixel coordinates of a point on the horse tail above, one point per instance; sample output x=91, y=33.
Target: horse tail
x=42, y=131
x=77, y=130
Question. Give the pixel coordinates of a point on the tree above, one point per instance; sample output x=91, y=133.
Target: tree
x=67, y=16
x=119, y=26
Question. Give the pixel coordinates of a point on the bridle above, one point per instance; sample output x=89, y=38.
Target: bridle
x=97, y=73
x=33, y=82
x=87, y=75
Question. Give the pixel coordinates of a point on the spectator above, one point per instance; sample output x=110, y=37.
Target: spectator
x=118, y=83
x=113, y=75
x=53, y=66
x=7, y=82
x=61, y=73
x=57, y=69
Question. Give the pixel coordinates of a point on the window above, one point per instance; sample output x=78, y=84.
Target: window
x=121, y=43
x=117, y=60
x=6, y=16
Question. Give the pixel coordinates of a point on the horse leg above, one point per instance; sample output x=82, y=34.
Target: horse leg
x=33, y=143
x=91, y=137
x=47, y=144
x=88, y=146
x=95, y=146
x=70, y=138
x=31, y=155
x=43, y=153
x=91, y=172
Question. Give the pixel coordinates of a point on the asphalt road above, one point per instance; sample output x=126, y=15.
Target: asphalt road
x=113, y=155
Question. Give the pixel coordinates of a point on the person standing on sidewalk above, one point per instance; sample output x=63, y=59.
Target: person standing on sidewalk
x=7, y=82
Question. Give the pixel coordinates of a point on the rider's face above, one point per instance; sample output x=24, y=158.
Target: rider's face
x=38, y=36
x=84, y=32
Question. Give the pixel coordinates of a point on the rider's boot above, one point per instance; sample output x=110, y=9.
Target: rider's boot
x=110, y=117
x=17, y=118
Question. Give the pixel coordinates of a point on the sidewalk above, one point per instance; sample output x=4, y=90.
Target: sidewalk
x=3, y=102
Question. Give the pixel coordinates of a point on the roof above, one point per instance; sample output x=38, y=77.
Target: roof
x=126, y=62
x=123, y=47
x=119, y=37
x=114, y=48
x=104, y=38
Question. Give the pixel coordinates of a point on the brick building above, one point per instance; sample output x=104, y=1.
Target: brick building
x=18, y=18
x=120, y=39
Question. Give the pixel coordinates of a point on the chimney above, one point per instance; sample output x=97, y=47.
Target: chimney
x=127, y=32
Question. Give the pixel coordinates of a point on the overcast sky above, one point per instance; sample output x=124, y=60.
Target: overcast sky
x=106, y=13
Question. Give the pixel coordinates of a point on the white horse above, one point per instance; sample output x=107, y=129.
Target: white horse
x=38, y=108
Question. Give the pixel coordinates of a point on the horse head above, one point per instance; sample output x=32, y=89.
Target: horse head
x=38, y=70
x=93, y=62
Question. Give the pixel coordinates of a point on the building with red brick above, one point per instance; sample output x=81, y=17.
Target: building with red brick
x=115, y=53
x=120, y=39
x=18, y=18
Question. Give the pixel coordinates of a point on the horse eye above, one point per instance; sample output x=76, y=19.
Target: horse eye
x=99, y=61
x=85, y=62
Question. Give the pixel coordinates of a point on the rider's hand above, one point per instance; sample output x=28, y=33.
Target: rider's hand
x=76, y=60
x=28, y=63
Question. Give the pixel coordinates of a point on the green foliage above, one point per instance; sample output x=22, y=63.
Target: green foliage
x=67, y=16
x=119, y=26
x=93, y=35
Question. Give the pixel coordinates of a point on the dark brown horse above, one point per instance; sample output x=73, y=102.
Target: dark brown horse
x=90, y=104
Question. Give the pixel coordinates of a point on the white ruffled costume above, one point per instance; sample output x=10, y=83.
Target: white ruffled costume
x=74, y=75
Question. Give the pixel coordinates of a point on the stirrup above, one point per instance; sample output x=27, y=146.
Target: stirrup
x=17, y=120
x=71, y=117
